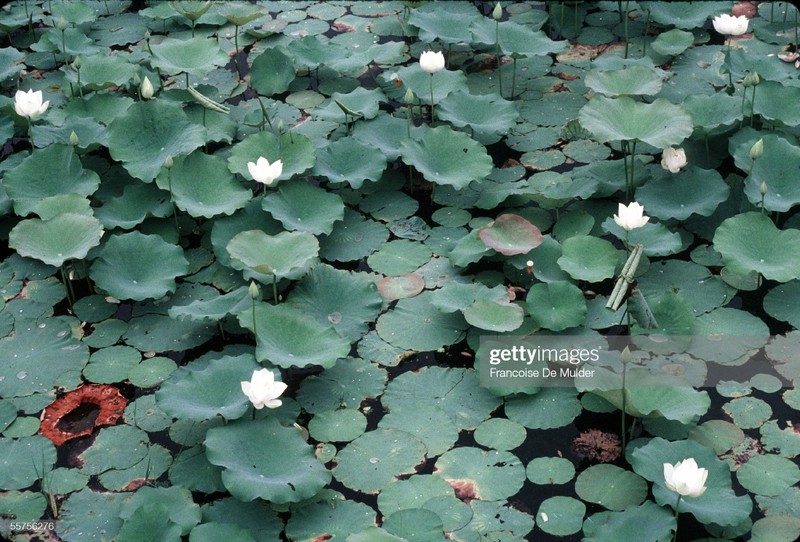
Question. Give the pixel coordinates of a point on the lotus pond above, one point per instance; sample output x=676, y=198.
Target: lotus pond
x=256, y=255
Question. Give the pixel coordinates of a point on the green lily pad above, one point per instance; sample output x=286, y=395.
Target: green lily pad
x=193, y=55
x=548, y=409
x=658, y=522
x=209, y=532
x=202, y=186
x=263, y=524
x=775, y=528
x=498, y=519
x=660, y=123
x=90, y=513
x=550, y=470
x=446, y=157
x=692, y=191
x=301, y=206
x=489, y=116
x=48, y=172
x=778, y=303
x=414, y=524
x=432, y=426
x=768, y=475
x=748, y=412
x=160, y=333
x=489, y=475
x=673, y=42
x=556, y=305
x=364, y=103
x=68, y=236
x=694, y=283
x=191, y=470
x=588, y=258
x=286, y=255
x=213, y=391
x=768, y=101
x=166, y=507
x=751, y=242
x=272, y=72
x=611, y=487
x=500, y=434
x=286, y=337
x=684, y=15
x=148, y=133
x=376, y=458
x=118, y=447
x=777, y=163
x=341, y=425
x=332, y=517
x=404, y=286
x=353, y=238
x=261, y=457
x=415, y=324
x=399, y=257
x=122, y=272
x=344, y=300
x=492, y=316
x=452, y=28
x=152, y=466
x=26, y=460
x=725, y=335
x=631, y=80
x=412, y=492
x=345, y=385
x=348, y=160
x=295, y=151
x=714, y=111
x=511, y=234
x=112, y=364
x=717, y=434
x=560, y=516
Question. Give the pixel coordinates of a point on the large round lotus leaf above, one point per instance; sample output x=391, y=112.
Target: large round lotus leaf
x=588, y=258
x=678, y=196
x=717, y=434
x=301, y=206
x=657, y=239
x=561, y=516
x=286, y=255
x=121, y=270
x=212, y=532
x=694, y=283
x=148, y=133
x=489, y=475
x=334, y=518
x=550, y=470
x=385, y=133
x=469, y=249
x=780, y=303
x=345, y=385
x=286, y=337
x=630, y=80
x=660, y=124
x=550, y=408
x=725, y=334
x=673, y=42
x=454, y=513
x=21, y=504
x=685, y=15
x=717, y=505
x=431, y=425
x=415, y=524
x=768, y=475
x=48, y=172
x=251, y=217
x=341, y=425
x=365, y=104
x=67, y=236
x=160, y=333
x=118, y=447
x=769, y=99
x=263, y=459
x=611, y=487
x=522, y=40
x=37, y=358
x=149, y=522
x=213, y=391
x=25, y=460
x=446, y=157
x=311, y=51
x=450, y=28
x=500, y=434
x=498, y=519
x=415, y=324
x=647, y=520
x=348, y=160
x=748, y=412
x=192, y=470
x=109, y=365
x=488, y=116
x=152, y=465
x=412, y=492
x=751, y=242
x=556, y=305
x=90, y=514
x=492, y=316
x=376, y=458
x=344, y=300
x=214, y=309
x=272, y=72
x=456, y=391
x=419, y=81
x=263, y=524
x=172, y=504
x=202, y=186
x=710, y=112
x=193, y=55
x=353, y=238
x=399, y=257
x=777, y=528
x=408, y=285
x=511, y=234
x=295, y=151
x=776, y=167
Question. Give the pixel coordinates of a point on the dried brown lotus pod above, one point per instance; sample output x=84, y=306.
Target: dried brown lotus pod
x=55, y=419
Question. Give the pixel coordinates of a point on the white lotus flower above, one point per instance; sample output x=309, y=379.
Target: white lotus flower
x=147, y=89
x=730, y=25
x=431, y=61
x=264, y=172
x=631, y=217
x=686, y=478
x=29, y=104
x=673, y=159
x=262, y=390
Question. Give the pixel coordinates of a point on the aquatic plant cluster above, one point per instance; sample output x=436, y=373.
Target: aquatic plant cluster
x=251, y=250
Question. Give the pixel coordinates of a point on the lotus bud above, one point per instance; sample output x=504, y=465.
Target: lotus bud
x=431, y=61
x=625, y=356
x=253, y=291
x=147, y=89
x=168, y=162
x=62, y=24
x=409, y=97
x=497, y=12
x=147, y=36
x=763, y=188
x=76, y=63
x=73, y=139
x=529, y=263
x=751, y=79
x=757, y=149
x=280, y=126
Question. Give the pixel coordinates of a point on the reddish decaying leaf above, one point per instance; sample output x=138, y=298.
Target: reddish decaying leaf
x=402, y=287
x=511, y=234
x=465, y=489
x=108, y=399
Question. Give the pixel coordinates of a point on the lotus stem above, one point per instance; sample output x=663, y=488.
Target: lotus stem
x=753, y=106
x=274, y=291
x=513, y=77
x=236, y=51
x=644, y=36
x=677, y=508
x=499, y=56
x=30, y=133
x=625, y=23
x=431, y=99
x=187, y=77
x=68, y=285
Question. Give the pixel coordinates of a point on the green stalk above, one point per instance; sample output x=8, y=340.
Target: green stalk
x=753, y=106
x=499, y=56
x=514, y=77
x=236, y=50
x=431, y=99
x=677, y=507
x=274, y=288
